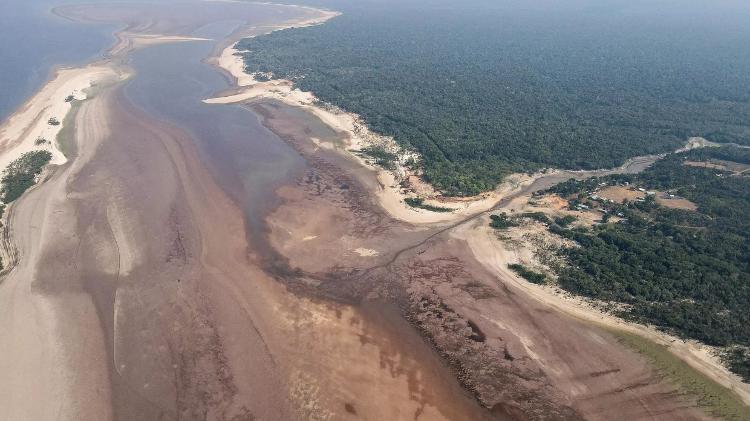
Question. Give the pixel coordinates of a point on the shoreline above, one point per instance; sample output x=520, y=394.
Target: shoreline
x=492, y=254
x=390, y=197
x=30, y=121
x=84, y=281
x=397, y=205
x=22, y=130
x=54, y=99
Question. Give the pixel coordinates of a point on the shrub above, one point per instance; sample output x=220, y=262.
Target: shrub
x=20, y=174
x=502, y=221
x=528, y=274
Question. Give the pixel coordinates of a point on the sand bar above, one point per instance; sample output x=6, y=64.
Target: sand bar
x=390, y=197
x=21, y=130
x=492, y=253
x=125, y=307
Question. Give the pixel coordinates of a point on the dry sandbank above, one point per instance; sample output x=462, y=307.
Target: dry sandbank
x=21, y=130
x=495, y=256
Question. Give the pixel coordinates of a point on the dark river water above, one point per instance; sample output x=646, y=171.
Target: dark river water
x=249, y=161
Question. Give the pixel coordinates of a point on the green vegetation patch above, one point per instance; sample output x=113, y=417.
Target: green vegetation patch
x=566, y=220
x=712, y=397
x=737, y=358
x=537, y=216
x=418, y=202
x=484, y=91
x=528, y=274
x=685, y=271
x=502, y=221
x=20, y=174
x=383, y=158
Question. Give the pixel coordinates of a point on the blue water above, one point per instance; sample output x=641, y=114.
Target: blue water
x=33, y=41
x=170, y=81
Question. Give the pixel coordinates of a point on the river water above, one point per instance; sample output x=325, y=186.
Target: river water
x=33, y=40
x=248, y=160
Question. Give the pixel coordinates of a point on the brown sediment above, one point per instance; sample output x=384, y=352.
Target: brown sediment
x=146, y=263
x=137, y=296
x=520, y=357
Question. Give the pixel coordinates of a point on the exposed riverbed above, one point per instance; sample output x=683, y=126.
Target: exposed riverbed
x=137, y=294
x=229, y=262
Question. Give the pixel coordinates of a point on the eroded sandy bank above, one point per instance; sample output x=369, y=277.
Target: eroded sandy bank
x=391, y=192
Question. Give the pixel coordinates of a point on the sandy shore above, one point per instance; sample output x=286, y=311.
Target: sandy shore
x=494, y=255
x=25, y=129
x=21, y=130
x=127, y=41
x=126, y=307
x=390, y=194
x=486, y=249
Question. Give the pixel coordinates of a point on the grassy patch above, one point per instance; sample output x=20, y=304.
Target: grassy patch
x=565, y=220
x=20, y=174
x=66, y=141
x=418, y=202
x=712, y=397
x=528, y=274
x=737, y=359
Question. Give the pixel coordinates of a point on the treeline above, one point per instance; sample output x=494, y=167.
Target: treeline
x=686, y=271
x=21, y=174
x=484, y=91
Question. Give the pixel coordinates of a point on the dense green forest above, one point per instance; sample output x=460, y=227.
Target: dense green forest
x=482, y=89
x=20, y=174
x=686, y=271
